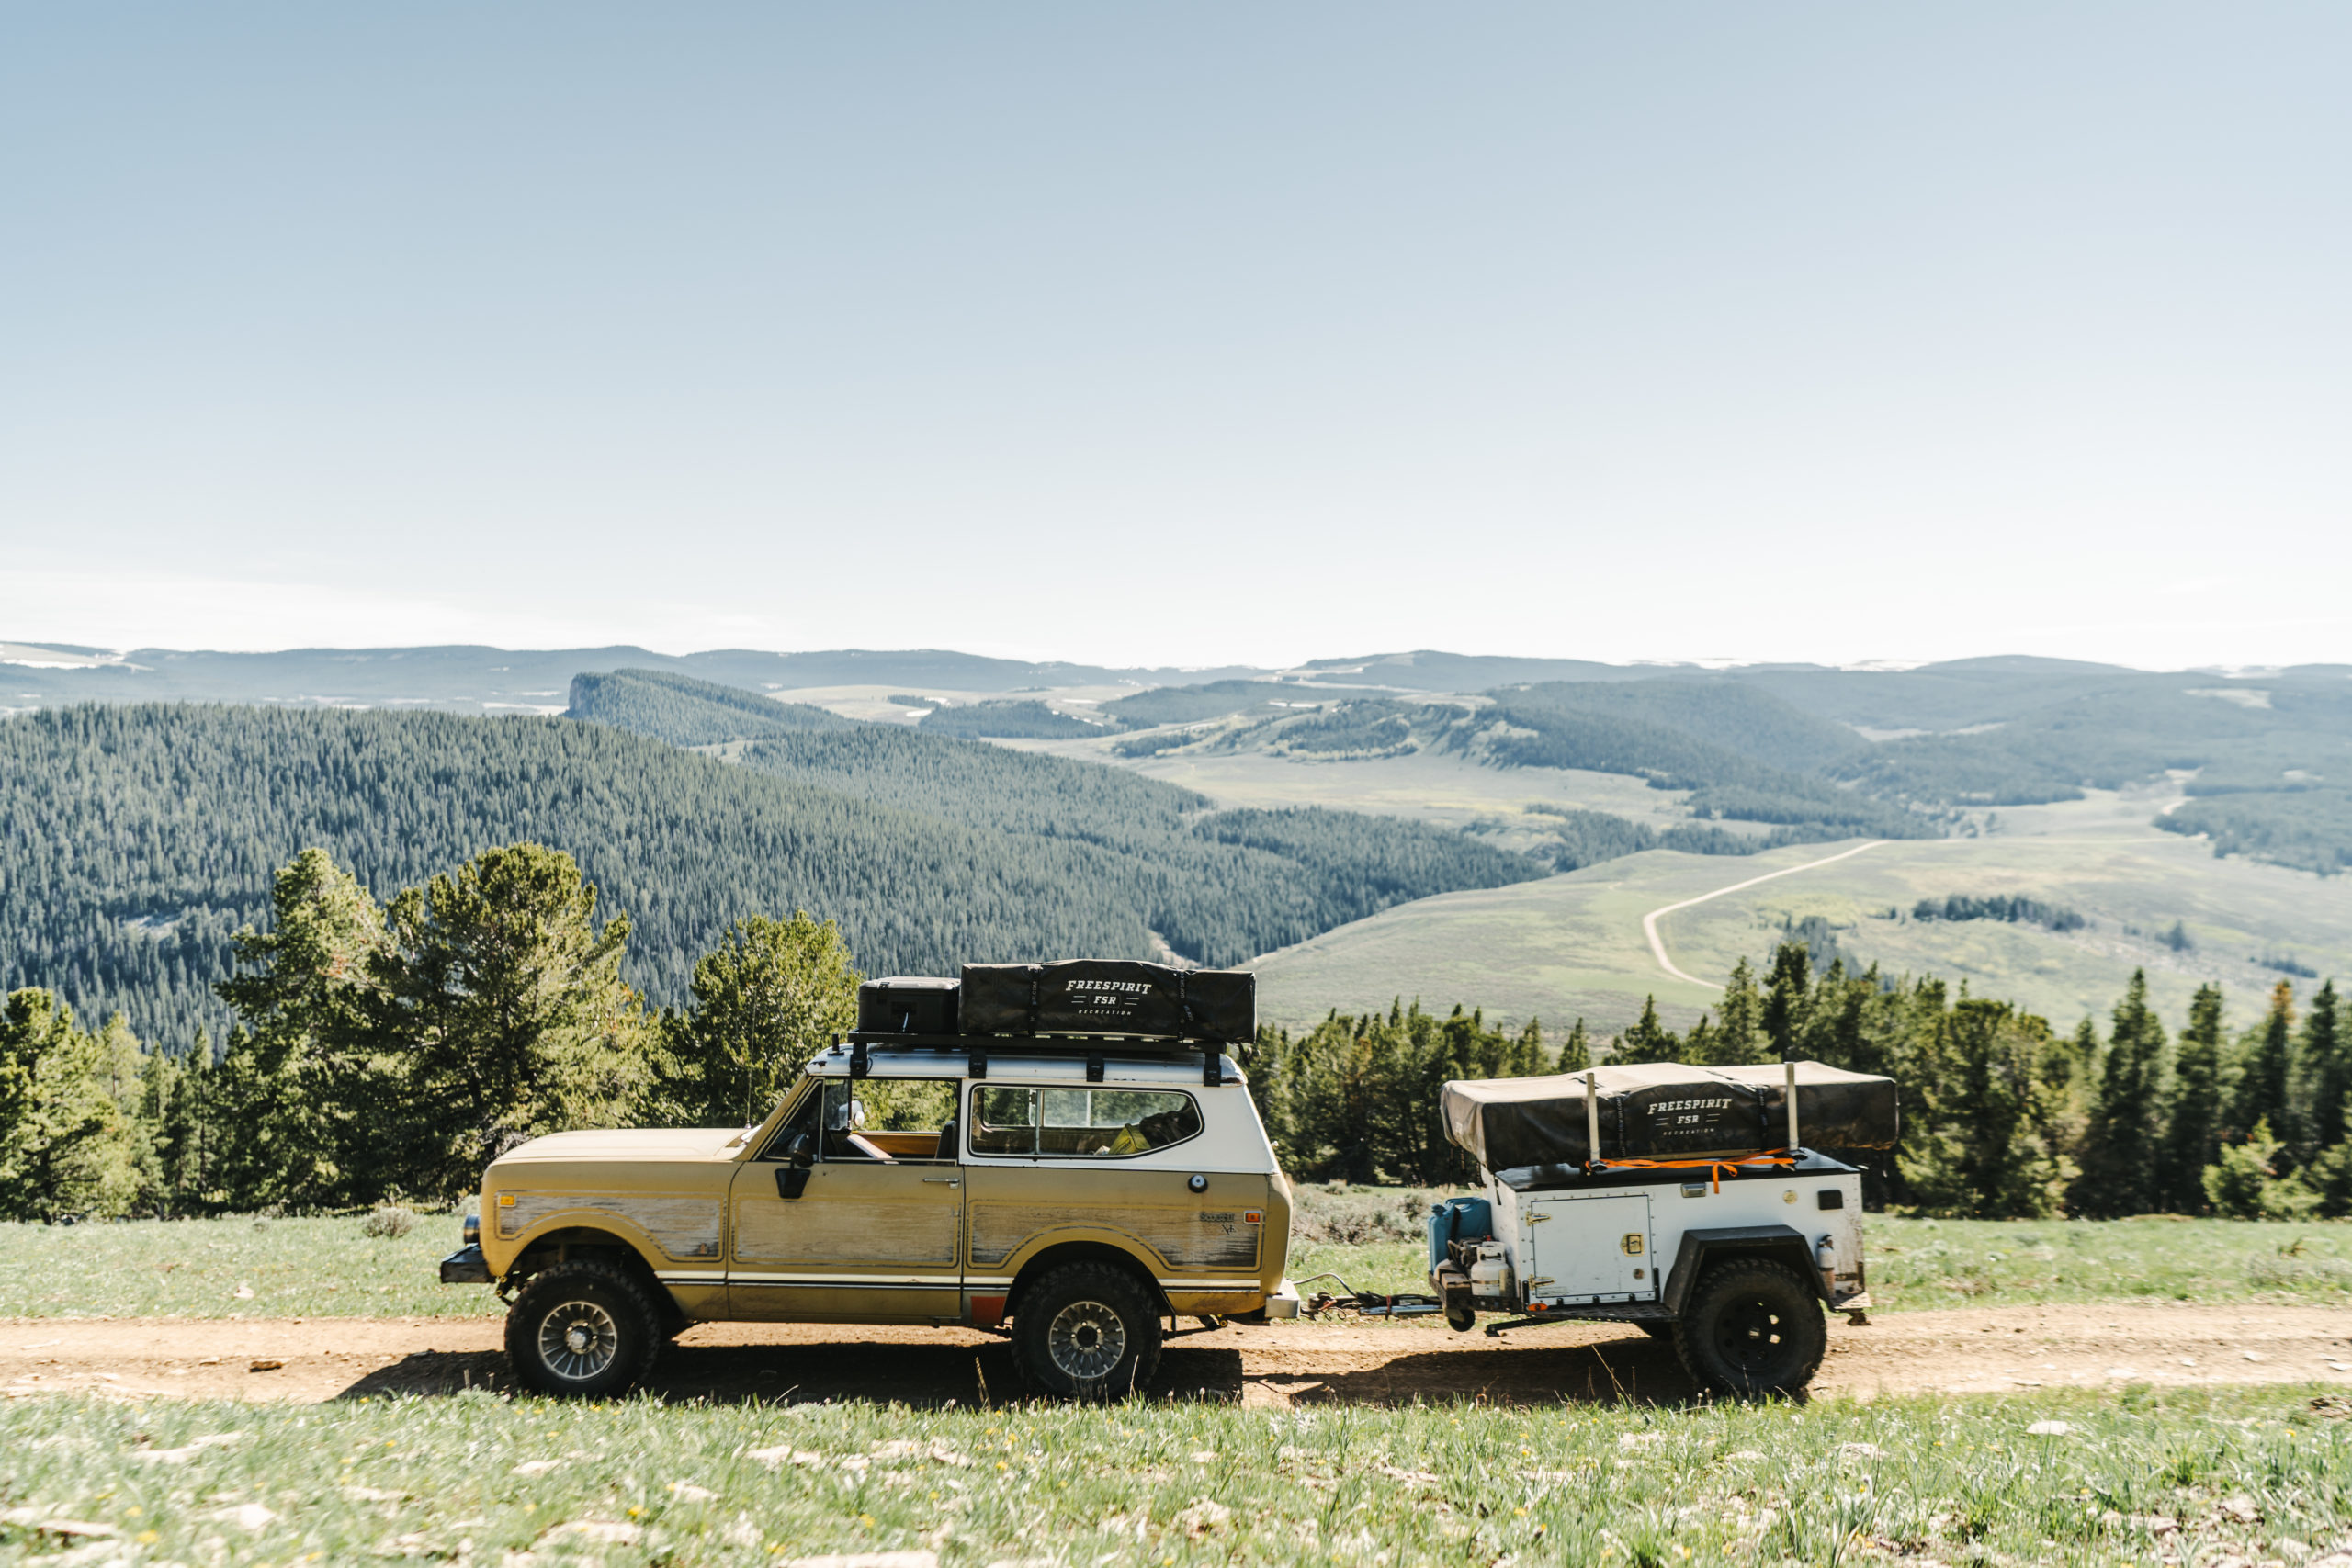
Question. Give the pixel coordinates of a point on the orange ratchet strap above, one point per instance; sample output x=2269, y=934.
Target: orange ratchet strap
x=1713, y=1167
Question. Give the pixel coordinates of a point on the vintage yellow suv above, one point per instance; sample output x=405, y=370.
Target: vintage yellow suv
x=1070, y=1191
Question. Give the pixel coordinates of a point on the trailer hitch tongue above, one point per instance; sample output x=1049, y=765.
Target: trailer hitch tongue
x=1365, y=1304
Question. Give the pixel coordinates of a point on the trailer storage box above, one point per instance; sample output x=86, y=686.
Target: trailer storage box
x=1528, y=1130
x=906, y=1004
x=1109, y=996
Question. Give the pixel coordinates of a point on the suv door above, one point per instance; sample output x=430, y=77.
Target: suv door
x=854, y=1210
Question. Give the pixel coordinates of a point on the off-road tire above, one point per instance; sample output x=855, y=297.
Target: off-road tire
x=1063, y=1335
x=585, y=1329
x=1752, y=1329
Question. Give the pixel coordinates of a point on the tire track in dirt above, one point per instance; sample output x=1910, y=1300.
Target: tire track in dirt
x=2098, y=1344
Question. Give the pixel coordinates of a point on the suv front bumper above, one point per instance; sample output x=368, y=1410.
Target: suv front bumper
x=465, y=1267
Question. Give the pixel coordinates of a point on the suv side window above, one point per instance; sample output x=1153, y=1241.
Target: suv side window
x=1080, y=1124
x=889, y=1121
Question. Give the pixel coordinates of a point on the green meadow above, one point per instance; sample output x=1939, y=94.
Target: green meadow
x=2049, y=1478
x=331, y=1268
x=1573, y=945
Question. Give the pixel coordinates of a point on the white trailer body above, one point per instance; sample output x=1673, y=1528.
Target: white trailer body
x=1636, y=1240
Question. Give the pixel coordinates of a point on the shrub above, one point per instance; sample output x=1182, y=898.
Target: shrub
x=2246, y=1185
x=388, y=1221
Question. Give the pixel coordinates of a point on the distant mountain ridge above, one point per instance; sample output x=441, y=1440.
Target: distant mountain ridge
x=481, y=678
x=1844, y=751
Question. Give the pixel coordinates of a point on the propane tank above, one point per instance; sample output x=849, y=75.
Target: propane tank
x=1490, y=1272
x=1825, y=1257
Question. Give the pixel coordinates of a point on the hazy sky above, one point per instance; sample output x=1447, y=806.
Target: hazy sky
x=1182, y=333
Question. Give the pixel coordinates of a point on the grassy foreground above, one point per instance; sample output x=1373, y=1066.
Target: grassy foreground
x=329, y=1267
x=2048, y=1478
x=305, y=1268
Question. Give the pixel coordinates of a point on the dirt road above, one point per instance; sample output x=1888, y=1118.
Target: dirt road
x=1657, y=942
x=1981, y=1352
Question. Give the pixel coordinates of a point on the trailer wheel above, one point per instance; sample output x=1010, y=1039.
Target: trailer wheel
x=1087, y=1332
x=1461, y=1319
x=1752, y=1328
x=583, y=1329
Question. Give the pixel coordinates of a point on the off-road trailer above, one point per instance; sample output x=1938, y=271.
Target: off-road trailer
x=1733, y=1254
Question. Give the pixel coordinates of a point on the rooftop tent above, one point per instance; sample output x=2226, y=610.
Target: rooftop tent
x=1665, y=1110
x=1108, y=997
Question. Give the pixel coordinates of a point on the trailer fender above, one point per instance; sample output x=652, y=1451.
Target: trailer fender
x=1782, y=1244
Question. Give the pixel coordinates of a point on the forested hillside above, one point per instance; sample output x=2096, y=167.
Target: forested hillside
x=1219, y=888
x=138, y=837
x=1665, y=732
x=1008, y=720
x=687, y=712
x=1745, y=720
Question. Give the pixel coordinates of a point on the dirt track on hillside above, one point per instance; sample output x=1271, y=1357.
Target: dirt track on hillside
x=1986, y=1351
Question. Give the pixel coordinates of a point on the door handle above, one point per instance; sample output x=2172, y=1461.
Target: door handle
x=943, y=1181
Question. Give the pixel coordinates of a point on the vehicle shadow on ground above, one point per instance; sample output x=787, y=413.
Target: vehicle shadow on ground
x=1633, y=1370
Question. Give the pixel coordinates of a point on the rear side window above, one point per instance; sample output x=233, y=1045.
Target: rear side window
x=1080, y=1124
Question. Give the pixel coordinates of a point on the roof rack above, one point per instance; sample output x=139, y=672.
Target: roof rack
x=1093, y=1048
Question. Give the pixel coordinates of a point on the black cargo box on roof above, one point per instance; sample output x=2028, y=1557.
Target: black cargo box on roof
x=1109, y=996
x=906, y=1004
x=1526, y=1130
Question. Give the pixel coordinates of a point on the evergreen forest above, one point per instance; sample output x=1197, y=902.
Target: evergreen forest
x=387, y=1050
x=140, y=838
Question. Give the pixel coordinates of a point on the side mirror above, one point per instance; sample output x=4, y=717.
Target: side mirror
x=801, y=1151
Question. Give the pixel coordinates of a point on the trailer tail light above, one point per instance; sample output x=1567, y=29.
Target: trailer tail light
x=1253, y=1218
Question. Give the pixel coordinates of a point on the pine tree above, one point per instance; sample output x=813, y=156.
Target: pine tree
x=1987, y=1152
x=2326, y=1069
x=771, y=995
x=1741, y=1038
x=1785, y=994
x=1648, y=1040
x=512, y=993
x=311, y=1097
x=2264, y=1086
x=68, y=1147
x=2248, y=1183
x=1527, y=1058
x=1575, y=1056
x=2193, y=1131
x=2126, y=1121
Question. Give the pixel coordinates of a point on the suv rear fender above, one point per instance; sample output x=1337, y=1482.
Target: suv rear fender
x=1702, y=1248
x=989, y=1309
x=1274, y=1250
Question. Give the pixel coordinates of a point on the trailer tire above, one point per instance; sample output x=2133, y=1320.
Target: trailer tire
x=583, y=1329
x=1461, y=1319
x=1086, y=1332
x=1752, y=1328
